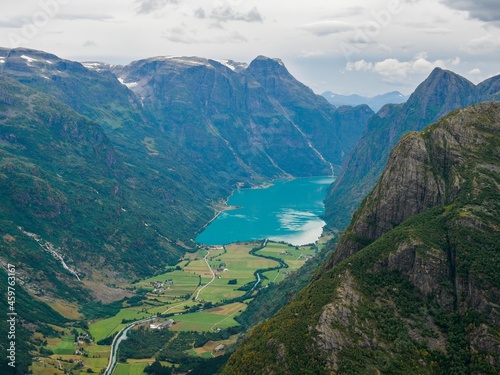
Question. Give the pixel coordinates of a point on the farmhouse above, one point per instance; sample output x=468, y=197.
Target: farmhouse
x=166, y=324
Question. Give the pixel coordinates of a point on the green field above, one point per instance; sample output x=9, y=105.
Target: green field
x=180, y=286
x=66, y=346
x=107, y=327
x=130, y=369
x=202, y=321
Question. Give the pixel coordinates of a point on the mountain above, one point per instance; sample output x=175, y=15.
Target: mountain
x=375, y=102
x=100, y=183
x=442, y=92
x=259, y=118
x=413, y=285
x=107, y=173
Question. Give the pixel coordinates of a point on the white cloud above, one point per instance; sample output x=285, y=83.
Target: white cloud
x=184, y=36
x=475, y=71
x=394, y=70
x=359, y=66
x=228, y=13
x=150, y=6
x=323, y=28
x=483, y=45
x=312, y=53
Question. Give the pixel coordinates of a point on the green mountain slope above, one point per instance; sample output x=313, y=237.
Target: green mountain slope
x=442, y=92
x=413, y=287
x=62, y=180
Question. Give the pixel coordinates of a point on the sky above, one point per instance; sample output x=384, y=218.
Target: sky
x=366, y=47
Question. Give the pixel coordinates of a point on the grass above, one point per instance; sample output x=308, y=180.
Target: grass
x=130, y=369
x=65, y=346
x=107, y=327
x=203, y=321
x=66, y=309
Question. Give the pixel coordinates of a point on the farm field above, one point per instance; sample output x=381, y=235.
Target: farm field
x=209, y=320
x=186, y=293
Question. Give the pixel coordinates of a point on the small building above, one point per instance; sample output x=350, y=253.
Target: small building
x=219, y=348
x=166, y=324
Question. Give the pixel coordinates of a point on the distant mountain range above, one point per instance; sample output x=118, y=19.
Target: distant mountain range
x=375, y=103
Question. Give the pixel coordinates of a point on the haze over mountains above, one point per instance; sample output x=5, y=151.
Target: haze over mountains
x=108, y=172
x=375, y=103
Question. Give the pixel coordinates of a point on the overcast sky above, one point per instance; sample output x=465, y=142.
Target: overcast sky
x=367, y=47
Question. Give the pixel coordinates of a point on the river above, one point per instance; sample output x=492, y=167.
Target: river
x=288, y=210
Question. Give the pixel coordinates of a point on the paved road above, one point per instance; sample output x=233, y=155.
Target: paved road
x=211, y=281
x=121, y=336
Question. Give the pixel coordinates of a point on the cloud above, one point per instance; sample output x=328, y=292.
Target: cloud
x=227, y=13
x=183, y=35
x=475, y=71
x=150, y=6
x=200, y=13
x=323, y=28
x=393, y=70
x=86, y=17
x=312, y=53
x=359, y=66
x=484, y=10
x=483, y=45
x=14, y=22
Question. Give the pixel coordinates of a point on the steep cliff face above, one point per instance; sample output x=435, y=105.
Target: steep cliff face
x=442, y=92
x=414, y=285
x=259, y=118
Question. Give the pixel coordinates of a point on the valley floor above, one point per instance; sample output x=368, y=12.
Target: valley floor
x=191, y=311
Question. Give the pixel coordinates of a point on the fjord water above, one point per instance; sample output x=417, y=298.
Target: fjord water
x=287, y=211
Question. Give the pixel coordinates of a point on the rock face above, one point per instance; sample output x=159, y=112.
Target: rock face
x=259, y=118
x=413, y=286
x=442, y=92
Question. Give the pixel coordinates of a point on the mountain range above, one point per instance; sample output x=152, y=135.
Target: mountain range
x=375, y=102
x=442, y=92
x=413, y=285
x=101, y=165
x=170, y=139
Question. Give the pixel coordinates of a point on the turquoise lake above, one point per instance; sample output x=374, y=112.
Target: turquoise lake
x=287, y=211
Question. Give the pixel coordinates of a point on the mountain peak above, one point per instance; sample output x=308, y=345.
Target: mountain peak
x=440, y=93
x=267, y=65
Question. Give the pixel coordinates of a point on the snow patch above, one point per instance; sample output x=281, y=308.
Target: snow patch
x=227, y=64
x=234, y=66
x=128, y=84
x=91, y=65
x=193, y=61
x=29, y=59
x=2, y=61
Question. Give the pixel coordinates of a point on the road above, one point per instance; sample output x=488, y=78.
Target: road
x=211, y=281
x=121, y=336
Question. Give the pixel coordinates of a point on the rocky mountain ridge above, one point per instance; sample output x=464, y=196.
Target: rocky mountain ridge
x=442, y=92
x=413, y=285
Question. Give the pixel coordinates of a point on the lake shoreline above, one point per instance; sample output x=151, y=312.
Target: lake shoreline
x=287, y=210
